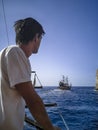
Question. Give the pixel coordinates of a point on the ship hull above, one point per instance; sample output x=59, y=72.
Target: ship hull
x=65, y=87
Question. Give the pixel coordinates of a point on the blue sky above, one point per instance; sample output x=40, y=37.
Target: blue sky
x=70, y=45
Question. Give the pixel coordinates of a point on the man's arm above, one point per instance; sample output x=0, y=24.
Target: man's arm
x=35, y=105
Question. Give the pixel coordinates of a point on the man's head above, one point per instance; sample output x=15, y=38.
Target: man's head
x=26, y=29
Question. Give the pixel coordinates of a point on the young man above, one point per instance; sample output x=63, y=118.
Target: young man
x=16, y=87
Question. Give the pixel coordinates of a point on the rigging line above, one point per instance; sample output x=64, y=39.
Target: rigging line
x=33, y=123
x=38, y=79
x=65, y=124
x=5, y=22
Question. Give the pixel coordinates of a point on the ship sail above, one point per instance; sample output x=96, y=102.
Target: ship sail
x=36, y=85
x=97, y=79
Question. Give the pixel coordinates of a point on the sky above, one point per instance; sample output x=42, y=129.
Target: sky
x=70, y=45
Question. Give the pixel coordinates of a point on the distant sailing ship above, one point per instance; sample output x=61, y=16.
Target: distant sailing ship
x=97, y=79
x=64, y=83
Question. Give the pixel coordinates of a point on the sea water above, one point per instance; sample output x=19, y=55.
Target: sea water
x=77, y=109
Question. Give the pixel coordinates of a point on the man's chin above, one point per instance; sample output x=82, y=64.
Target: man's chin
x=34, y=52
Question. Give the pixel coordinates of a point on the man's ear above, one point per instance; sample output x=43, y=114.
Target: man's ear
x=36, y=38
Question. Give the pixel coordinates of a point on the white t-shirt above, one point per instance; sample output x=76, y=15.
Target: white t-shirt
x=14, y=69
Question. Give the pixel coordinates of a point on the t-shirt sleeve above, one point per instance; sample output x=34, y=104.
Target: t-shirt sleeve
x=18, y=67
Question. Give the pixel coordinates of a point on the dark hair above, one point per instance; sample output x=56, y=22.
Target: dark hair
x=26, y=29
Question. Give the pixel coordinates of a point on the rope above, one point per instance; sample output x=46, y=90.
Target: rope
x=39, y=80
x=33, y=123
x=65, y=124
x=35, y=76
x=5, y=22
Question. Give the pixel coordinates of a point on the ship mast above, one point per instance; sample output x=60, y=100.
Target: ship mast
x=97, y=79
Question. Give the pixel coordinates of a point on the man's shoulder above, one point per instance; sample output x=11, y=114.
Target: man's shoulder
x=14, y=50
